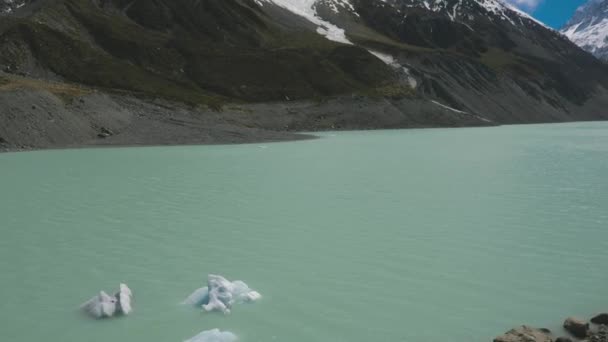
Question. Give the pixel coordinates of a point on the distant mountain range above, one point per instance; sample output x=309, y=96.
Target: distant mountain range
x=479, y=57
x=588, y=28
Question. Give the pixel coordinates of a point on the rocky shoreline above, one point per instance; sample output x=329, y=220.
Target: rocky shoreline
x=40, y=114
x=575, y=329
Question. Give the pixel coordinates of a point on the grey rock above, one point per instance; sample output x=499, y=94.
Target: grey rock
x=599, y=319
x=576, y=327
x=601, y=335
x=525, y=334
x=106, y=131
x=563, y=339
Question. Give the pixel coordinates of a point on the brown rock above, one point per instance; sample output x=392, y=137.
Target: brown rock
x=563, y=339
x=600, y=319
x=525, y=334
x=576, y=327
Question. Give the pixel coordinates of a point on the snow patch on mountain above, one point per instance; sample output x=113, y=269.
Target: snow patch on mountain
x=391, y=61
x=307, y=9
x=449, y=108
x=338, y=6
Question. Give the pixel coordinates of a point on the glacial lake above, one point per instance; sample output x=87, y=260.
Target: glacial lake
x=406, y=235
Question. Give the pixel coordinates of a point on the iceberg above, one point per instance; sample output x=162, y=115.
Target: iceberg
x=100, y=306
x=124, y=296
x=214, y=335
x=220, y=294
x=106, y=306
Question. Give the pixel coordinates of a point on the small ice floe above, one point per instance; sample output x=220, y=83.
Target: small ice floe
x=106, y=306
x=220, y=294
x=214, y=335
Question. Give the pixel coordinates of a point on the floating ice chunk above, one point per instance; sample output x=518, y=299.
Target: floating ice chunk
x=100, y=306
x=243, y=294
x=106, y=306
x=198, y=297
x=220, y=294
x=253, y=296
x=214, y=335
x=124, y=296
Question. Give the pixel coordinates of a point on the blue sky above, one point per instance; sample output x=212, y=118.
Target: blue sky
x=554, y=13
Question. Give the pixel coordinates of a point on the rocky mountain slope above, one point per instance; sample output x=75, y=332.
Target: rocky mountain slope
x=482, y=56
x=588, y=28
x=8, y=6
x=470, y=62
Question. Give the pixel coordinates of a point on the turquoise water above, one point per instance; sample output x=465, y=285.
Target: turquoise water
x=415, y=235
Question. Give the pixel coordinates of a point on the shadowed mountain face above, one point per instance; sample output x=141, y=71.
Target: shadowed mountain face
x=182, y=49
x=474, y=56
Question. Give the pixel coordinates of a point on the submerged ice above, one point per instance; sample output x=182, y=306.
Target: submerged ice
x=220, y=294
x=106, y=306
x=214, y=335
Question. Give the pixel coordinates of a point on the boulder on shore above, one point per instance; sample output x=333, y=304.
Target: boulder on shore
x=601, y=319
x=525, y=334
x=576, y=327
x=601, y=335
x=563, y=339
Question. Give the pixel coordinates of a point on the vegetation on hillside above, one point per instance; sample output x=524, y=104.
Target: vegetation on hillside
x=194, y=52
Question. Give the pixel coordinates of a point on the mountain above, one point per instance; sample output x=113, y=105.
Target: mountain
x=8, y=6
x=417, y=63
x=181, y=49
x=588, y=28
x=478, y=56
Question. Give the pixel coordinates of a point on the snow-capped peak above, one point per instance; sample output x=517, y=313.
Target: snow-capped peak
x=456, y=10
x=459, y=10
x=588, y=28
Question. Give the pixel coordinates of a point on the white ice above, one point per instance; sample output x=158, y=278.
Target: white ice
x=220, y=294
x=214, y=335
x=100, y=306
x=306, y=9
x=124, y=297
x=106, y=306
